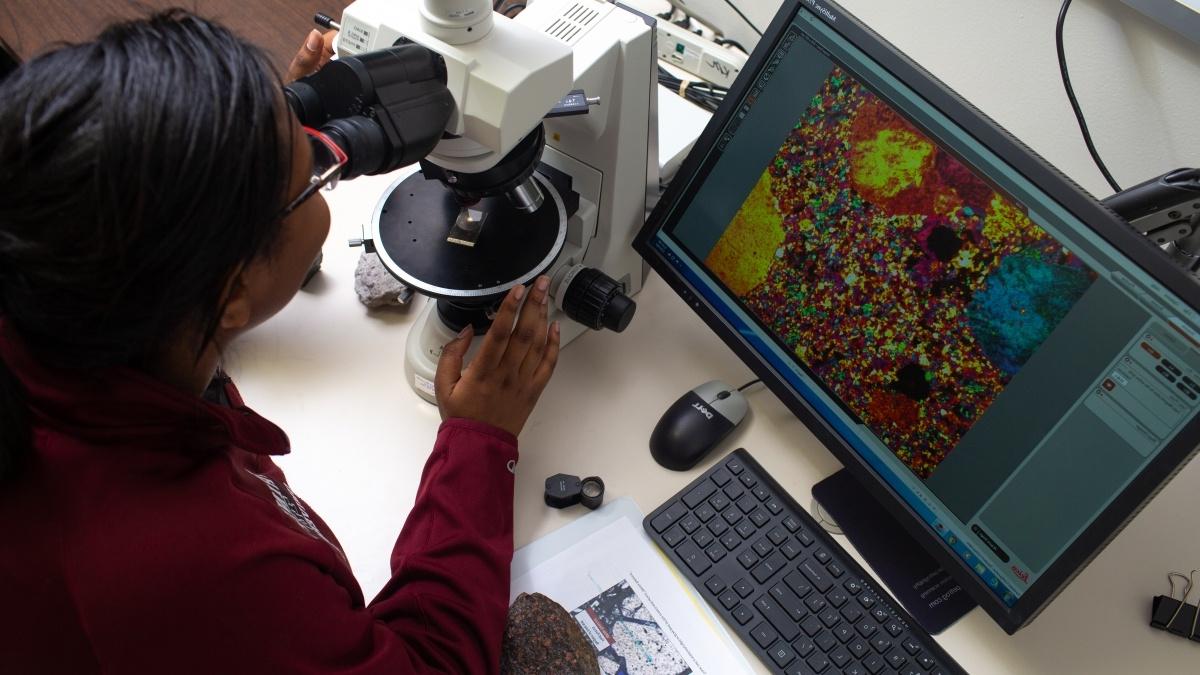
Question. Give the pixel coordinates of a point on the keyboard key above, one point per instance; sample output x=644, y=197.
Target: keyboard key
x=690, y=524
x=880, y=643
x=811, y=625
x=727, y=600
x=703, y=538
x=913, y=670
x=777, y=617
x=719, y=502
x=718, y=527
x=760, y=517
x=721, y=477
x=763, y=634
x=804, y=645
x=825, y=641
x=820, y=580
x=743, y=587
x=840, y=657
x=830, y=617
x=747, y=558
x=866, y=628
x=837, y=598
x=745, y=529
x=911, y=646
x=763, y=547
x=731, y=541
x=844, y=632
x=816, y=602
x=818, y=663
x=852, y=613
x=667, y=518
x=768, y=567
x=774, y=506
x=855, y=669
x=693, y=557
x=760, y=493
x=822, y=556
x=705, y=513
x=735, y=466
x=791, y=523
x=805, y=538
x=897, y=659
x=748, y=480
x=715, y=552
x=673, y=536
x=790, y=549
x=731, y=516
x=715, y=584
x=880, y=613
x=734, y=491
x=742, y=614
x=835, y=569
x=859, y=647
x=781, y=654
x=747, y=503
x=926, y=661
x=866, y=600
x=893, y=628
x=874, y=663
x=789, y=602
x=698, y=494
x=777, y=536
x=852, y=586
x=798, y=584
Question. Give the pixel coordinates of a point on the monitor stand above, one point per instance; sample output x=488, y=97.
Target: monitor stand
x=931, y=595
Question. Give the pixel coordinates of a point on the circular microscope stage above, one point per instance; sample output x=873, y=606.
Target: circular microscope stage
x=413, y=222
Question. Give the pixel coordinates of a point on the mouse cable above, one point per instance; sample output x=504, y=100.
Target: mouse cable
x=749, y=384
x=748, y=21
x=1066, y=78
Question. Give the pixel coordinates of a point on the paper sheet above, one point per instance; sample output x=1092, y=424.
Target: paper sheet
x=639, y=616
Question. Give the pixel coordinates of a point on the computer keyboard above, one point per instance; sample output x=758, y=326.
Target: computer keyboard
x=788, y=590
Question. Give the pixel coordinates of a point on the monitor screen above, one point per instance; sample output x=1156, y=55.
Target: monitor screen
x=976, y=338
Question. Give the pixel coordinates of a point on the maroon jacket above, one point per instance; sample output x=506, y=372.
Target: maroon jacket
x=150, y=532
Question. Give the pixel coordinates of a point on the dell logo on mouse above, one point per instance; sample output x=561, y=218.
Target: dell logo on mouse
x=703, y=411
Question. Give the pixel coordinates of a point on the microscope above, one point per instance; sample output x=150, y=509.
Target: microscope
x=537, y=146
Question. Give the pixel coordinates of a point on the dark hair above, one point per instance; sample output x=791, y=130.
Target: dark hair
x=137, y=173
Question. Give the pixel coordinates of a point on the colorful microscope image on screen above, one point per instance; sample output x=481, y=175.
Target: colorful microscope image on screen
x=911, y=288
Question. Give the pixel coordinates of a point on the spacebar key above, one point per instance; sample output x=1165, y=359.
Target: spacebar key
x=695, y=559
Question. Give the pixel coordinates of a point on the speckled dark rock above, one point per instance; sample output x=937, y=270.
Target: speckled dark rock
x=541, y=637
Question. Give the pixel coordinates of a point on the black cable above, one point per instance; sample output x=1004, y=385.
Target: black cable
x=510, y=8
x=749, y=384
x=748, y=22
x=732, y=43
x=1066, y=78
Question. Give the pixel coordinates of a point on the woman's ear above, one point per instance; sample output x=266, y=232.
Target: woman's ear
x=237, y=308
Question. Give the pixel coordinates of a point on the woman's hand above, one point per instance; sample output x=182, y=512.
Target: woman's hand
x=507, y=376
x=314, y=53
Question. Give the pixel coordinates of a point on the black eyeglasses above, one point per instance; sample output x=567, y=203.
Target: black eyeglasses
x=328, y=162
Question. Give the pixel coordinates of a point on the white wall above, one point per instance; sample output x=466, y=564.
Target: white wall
x=1137, y=82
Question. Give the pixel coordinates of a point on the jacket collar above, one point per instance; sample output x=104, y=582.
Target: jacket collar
x=123, y=406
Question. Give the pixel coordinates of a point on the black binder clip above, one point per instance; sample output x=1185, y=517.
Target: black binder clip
x=1176, y=616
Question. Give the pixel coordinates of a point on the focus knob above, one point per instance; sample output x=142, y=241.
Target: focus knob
x=597, y=301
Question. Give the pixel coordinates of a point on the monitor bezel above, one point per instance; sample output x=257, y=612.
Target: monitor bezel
x=1059, y=187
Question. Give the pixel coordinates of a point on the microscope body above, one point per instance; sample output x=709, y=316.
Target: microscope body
x=504, y=83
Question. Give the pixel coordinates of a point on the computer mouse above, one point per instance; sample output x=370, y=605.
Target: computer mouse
x=695, y=424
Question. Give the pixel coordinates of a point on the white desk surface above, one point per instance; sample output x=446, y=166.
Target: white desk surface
x=331, y=374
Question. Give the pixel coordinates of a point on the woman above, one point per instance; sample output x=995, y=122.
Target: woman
x=156, y=202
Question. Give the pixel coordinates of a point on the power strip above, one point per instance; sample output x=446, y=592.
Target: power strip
x=697, y=55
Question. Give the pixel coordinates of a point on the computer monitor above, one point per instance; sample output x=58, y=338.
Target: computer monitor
x=1001, y=361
